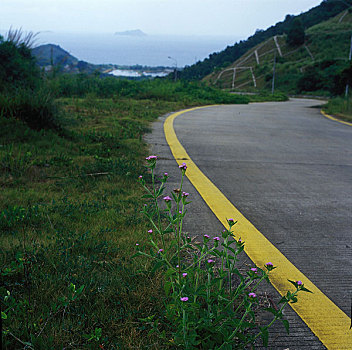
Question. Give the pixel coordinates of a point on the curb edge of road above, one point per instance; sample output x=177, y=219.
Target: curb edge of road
x=327, y=321
x=334, y=119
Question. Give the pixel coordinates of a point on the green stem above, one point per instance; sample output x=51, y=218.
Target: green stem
x=208, y=292
x=184, y=327
x=157, y=209
x=178, y=229
x=242, y=319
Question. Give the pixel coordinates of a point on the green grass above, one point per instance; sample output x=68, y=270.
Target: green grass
x=340, y=107
x=69, y=213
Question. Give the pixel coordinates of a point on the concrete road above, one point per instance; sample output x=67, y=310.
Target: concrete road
x=288, y=170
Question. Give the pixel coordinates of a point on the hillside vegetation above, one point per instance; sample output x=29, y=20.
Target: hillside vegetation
x=319, y=65
x=219, y=60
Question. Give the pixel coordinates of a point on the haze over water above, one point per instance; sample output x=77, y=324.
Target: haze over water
x=151, y=50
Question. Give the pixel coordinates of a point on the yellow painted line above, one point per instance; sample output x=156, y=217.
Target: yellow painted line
x=334, y=119
x=328, y=322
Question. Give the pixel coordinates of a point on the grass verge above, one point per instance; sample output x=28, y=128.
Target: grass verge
x=340, y=107
x=70, y=218
x=70, y=215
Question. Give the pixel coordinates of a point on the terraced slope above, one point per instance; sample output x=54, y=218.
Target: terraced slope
x=326, y=49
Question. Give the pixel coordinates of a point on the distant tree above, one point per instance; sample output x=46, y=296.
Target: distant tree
x=296, y=34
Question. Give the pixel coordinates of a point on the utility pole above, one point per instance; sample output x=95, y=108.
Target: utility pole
x=171, y=58
x=349, y=59
x=273, y=82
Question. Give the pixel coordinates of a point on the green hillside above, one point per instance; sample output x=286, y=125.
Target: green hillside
x=326, y=10
x=316, y=65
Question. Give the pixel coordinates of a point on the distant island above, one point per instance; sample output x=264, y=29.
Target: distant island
x=134, y=32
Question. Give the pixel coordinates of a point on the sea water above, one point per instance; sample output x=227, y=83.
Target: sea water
x=150, y=50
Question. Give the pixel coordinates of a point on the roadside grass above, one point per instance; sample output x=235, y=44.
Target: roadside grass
x=340, y=107
x=70, y=213
x=70, y=217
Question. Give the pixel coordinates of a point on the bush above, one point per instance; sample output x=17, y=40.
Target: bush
x=296, y=35
x=36, y=108
x=17, y=66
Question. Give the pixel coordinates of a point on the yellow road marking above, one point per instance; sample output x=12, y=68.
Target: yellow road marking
x=334, y=119
x=328, y=322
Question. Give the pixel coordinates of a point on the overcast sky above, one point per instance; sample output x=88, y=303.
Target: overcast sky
x=191, y=17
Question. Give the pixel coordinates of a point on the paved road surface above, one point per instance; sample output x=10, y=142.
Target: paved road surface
x=289, y=171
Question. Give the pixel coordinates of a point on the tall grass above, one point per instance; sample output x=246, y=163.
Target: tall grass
x=37, y=108
x=341, y=107
x=190, y=93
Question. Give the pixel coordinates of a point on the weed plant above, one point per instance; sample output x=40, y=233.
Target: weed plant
x=209, y=304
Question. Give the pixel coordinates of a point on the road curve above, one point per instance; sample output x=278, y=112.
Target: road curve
x=288, y=170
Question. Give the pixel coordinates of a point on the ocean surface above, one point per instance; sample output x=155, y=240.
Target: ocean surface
x=151, y=50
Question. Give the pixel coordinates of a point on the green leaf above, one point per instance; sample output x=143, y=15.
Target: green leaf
x=293, y=283
x=283, y=300
x=287, y=326
x=306, y=290
x=147, y=196
x=3, y=316
x=293, y=300
x=265, y=336
x=170, y=272
x=135, y=255
x=217, y=253
x=161, y=190
x=157, y=266
x=80, y=290
x=234, y=251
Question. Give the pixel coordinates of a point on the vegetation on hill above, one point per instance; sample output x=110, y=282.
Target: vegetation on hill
x=296, y=34
x=50, y=54
x=326, y=10
x=319, y=66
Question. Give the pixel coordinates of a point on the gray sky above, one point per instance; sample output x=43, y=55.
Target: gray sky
x=194, y=17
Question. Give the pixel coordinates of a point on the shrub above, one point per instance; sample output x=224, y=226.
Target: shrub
x=36, y=108
x=17, y=66
x=296, y=35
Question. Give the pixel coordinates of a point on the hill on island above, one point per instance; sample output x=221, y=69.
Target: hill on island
x=51, y=54
x=134, y=32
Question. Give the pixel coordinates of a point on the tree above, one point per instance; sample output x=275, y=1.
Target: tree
x=296, y=34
